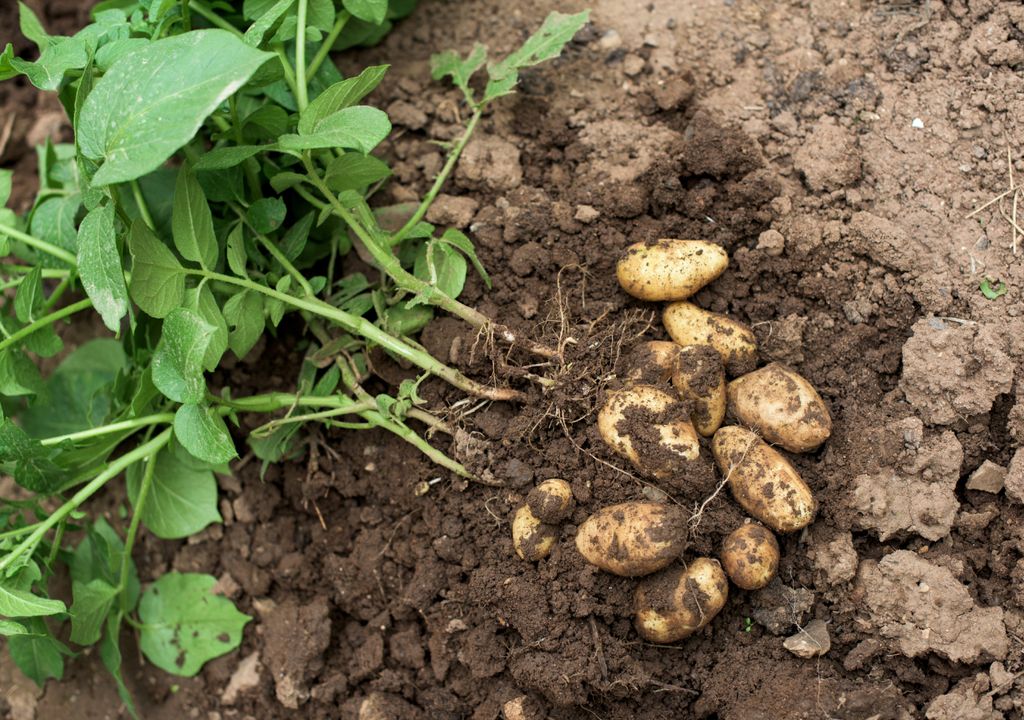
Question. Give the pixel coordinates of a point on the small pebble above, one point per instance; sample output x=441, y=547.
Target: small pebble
x=812, y=641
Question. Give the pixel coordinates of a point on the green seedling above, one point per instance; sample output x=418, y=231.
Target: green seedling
x=993, y=289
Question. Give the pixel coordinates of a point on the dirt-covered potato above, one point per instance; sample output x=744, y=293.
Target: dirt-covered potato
x=750, y=556
x=734, y=341
x=651, y=428
x=679, y=601
x=633, y=538
x=531, y=538
x=551, y=501
x=670, y=269
x=652, y=362
x=700, y=380
x=782, y=406
x=762, y=481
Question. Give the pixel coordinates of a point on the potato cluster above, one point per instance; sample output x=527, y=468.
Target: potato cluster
x=673, y=394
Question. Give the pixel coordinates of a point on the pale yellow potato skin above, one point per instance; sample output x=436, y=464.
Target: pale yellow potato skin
x=677, y=602
x=762, y=481
x=532, y=539
x=677, y=437
x=633, y=538
x=551, y=501
x=750, y=556
x=652, y=362
x=670, y=269
x=782, y=406
x=700, y=380
x=734, y=341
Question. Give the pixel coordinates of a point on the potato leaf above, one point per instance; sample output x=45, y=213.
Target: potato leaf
x=99, y=265
x=17, y=603
x=371, y=11
x=91, y=604
x=183, y=497
x=192, y=221
x=341, y=95
x=39, y=655
x=359, y=128
x=158, y=279
x=451, y=64
x=353, y=171
x=32, y=465
x=204, y=434
x=31, y=28
x=178, y=360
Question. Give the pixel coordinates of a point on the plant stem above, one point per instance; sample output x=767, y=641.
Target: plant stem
x=58, y=292
x=186, y=21
x=300, y=56
x=48, y=248
x=44, y=321
x=276, y=252
x=140, y=201
x=141, y=422
x=133, y=529
x=355, y=409
x=58, y=537
x=269, y=402
x=289, y=71
x=328, y=43
x=213, y=18
x=18, y=531
x=87, y=491
x=250, y=172
x=48, y=273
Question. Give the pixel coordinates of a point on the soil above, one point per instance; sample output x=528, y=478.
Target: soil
x=836, y=150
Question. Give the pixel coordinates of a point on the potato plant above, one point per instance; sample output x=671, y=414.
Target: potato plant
x=221, y=171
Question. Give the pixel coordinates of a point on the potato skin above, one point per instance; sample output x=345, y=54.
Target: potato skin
x=782, y=406
x=700, y=380
x=532, y=539
x=750, y=556
x=679, y=601
x=652, y=362
x=551, y=502
x=633, y=538
x=670, y=269
x=651, y=428
x=762, y=481
x=734, y=341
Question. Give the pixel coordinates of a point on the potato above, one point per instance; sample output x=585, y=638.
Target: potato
x=700, y=380
x=670, y=269
x=531, y=538
x=782, y=406
x=651, y=428
x=652, y=362
x=633, y=538
x=551, y=501
x=763, y=481
x=677, y=602
x=734, y=341
x=750, y=556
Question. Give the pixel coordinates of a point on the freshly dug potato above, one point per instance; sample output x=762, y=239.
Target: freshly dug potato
x=677, y=602
x=531, y=538
x=734, y=341
x=700, y=380
x=782, y=406
x=551, y=501
x=763, y=481
x=633, y=538
x=670, y=269
x=651, y=428
x=652, y=362
x=750, y=556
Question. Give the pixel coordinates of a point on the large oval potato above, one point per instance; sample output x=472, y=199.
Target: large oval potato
x=734, y=341
x=677, y=602
x=782, y=406
x=670, y=269
x=551, y=501
x=750, y=556
x=633, y=538
x=700, y=380
x=652, y=362
x=762, y=481
x=531, y=538
x=651, y=428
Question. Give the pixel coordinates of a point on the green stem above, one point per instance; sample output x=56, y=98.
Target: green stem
x=269, y=402
x=247, y=167
x=18, y=532
x=44, y=321
x=58, y=537
x=58, y=292
x=186, y=19
x=213, y=18
x=48, y=248
x=274, y=250
x=328, y=43
x=141, y=422
x=48, y=273
x=140, y=201
x=133, y=529
x=86, y=492
x=355, y=408
x=300, y=56
x=289, y=71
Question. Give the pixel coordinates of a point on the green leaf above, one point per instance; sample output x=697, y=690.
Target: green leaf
x=44, y=342
x=7, y=70
x=254, y=35
x=236, y=251
x=354, y=171
x=192, y=222
x=244, y=313
x=185, y=624
x=442, y=266
x=32, y=466
x=39, y=655
x=266, y=215
x=404, y=318
x=89, y=608
x=360, y=128
x=152, y=101
x=53, y=220
x=463, y=243
x=99, y=266
x=5, y=185
x=110, y=655
x=340, y=96
x=29, y=296
x=15, y=603
x=9, y=627
x=183, y=497
x=110, y=53
x=228, y=156
x=450, y=63
x=992, y=289
x=204, y=434
x=18, y=374
x=201, y=301
x=265, y=123
x=61, y=55
x=294, y=241
x=371, y=11
x=178, y=360
x=98, y=557
x=31, y=27
x=158, y=279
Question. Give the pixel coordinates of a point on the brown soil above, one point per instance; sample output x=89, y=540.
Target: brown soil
x=835, y=150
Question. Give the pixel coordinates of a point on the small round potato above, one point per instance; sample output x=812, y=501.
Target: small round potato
x=678, y=602
x=650, y=428
x=652, y=362
x=633, y=538
x=551, y=501
x=782, y=406
x=531, y=538
x=700, y=380
x=762, y=481
x=734, y=341
x=750, y=556
x=670, y=269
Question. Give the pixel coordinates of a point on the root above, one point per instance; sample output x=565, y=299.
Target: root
x=698, y=513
